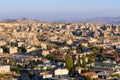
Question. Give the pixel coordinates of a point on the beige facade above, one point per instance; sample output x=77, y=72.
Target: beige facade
x=61, y=72
x=4, y=68
x=45, y=52
x=13, y=50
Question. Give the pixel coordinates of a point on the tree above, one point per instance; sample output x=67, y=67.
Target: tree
x=32, y=64
x=116, y=52
x=88, y=78
x=79, y=63
x=58, y=51
x=31, y=75
x=90, y=59
x=5, y=48
x=19, y=50
x=51, y=57
x=84, y=61
x=79, y=48
x=72, y=71
x=11, y=62
x=69, y=62
x=101, y=50
x=68, y=52
x=114, y=46
x=22, y=50
x=17, y=69
x=95, y=49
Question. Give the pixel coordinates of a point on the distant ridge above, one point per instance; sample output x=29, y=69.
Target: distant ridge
x=19, y=20
x=104, y=20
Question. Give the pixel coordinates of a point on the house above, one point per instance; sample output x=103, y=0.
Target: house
x=118, y=47
x=30, y=49
x=104, y=75
x=2, y=42
x=92, y=75
x=20, y=44
x=44, y=45
x=69, y=42
x=101, y=66
x=13, y=50
x=79, y=69
x=85, y=44
x=4, y=68
x=1, y=50
x=59, y=56
x=45, y=52
x=45, y=61
x=45, y=75
x=62, y=72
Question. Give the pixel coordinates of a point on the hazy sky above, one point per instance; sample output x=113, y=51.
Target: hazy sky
x=50, y=10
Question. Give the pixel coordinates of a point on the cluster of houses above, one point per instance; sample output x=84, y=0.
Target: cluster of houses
x=37, y=51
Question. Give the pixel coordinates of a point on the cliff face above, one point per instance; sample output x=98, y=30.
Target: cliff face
x=34, y=32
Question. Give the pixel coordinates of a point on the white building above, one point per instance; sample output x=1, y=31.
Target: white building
x=1, y=50
x=20, y=44
x=4, y=68
x=61, y=72
x=47, y=76
x=79, y=69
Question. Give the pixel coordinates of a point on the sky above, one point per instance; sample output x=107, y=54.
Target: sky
x=53, y=10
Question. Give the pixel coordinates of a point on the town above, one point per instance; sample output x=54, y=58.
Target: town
x=33, y=50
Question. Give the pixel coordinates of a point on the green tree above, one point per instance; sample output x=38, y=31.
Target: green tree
x=19, y=50
x=17, y=69
x=95, y=79
x=72, y=71
x=91, y=59
x=58, y=51
x=116, y=52
x=68, y=52
x=11, y=62
x=89, y=78
x=69, y=62
x=79, y=48
x=32, y=64
x=101, y=50
x=51, y=57
x=22, y=50
x=79, y=63
x=114, y=46
x=84, y=61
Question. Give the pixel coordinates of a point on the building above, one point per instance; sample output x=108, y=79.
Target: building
x=69, y=42
x=92, y=75
x=101, y=66
x=45, y=52
x=104, y=75
x=79, y=69
x=13, y=50
x=45, y=75
x=44, y=45
x=20, y=44
x=62, y=72
x=4, y=68
x=1, y=50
